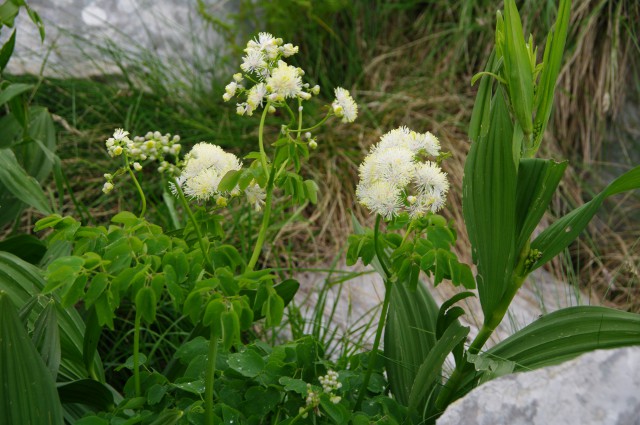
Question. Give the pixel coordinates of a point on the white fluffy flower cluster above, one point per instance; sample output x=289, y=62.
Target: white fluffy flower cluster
x=344, y=106
x=203, y=169
x=394, y=178
x=204, y=166
x=274, y=79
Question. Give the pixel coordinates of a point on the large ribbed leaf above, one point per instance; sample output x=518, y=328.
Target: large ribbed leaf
x=517, y=66
x=552, y=61
x=537, y=182
x=21, y=281
x=560, y=234
x=489, y=205
x=482, y=106
x=28, y=393
x=23, y=186
x=409, y=336
x=429, y=372
x=567, y=333
x=46, y=338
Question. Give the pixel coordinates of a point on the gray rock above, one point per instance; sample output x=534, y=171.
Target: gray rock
x=598, y=388
x=88, y=37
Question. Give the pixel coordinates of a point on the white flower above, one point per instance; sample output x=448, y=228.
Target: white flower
x=255, y=196
x=204, y=167
x=253, y=62
x=344, y=106
x=285, y=81
x=137, y=166
x=108, y=187
x=256, y=95
x=429, y=176
x=289, y=50
x=392, y=175
x=120, y=134
x=381, y=198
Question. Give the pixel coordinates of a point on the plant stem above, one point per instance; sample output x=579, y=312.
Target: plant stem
x=265, y=223
x=143, y=209
x=313, y=127
x=263, y=154
x=301, y=414
x=136, y=350
x=205, y=252
x=383, y=316
x=209, y=378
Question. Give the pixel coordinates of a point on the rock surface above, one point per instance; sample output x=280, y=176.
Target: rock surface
x=598, y=388
x=87, y=37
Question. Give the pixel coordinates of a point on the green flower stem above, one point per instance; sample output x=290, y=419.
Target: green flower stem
x=209, y=378
x=383, y=316
x=205, y=252
x=143, y=209
x=136, y=354
x=263, y=154
x=322, y=121
x=301, y=414
x=265, y=223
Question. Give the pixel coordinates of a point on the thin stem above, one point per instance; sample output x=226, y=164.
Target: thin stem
x=265, y=223
x=301, y=414
x=205, y=252
x=136, y=350
x=143, y=209
x=209, y=378
x=322, y=121
x=263, y=154
x=383, y=316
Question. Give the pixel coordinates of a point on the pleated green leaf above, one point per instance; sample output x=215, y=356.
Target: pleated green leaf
x=479, y=123
x=537, y=182
x=489, y=205
x=517, y=67
x=560, y=234
x=567, y=333
x=429, y=372
x=46, y=338
x=21, y=281
x=88, y=392
x=409, y=337
x=23, y=186
x=28, y=393
x=552, y=61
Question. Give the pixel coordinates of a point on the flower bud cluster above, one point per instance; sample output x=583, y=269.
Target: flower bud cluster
x=273, y=79
x=394, y=178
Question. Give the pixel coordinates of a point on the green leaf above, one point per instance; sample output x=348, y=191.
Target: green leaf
x=311, y=190
x=213, y=314
x=62, y=271
x=409, y=336
x=27, y=247
x=230, y=180
x=518, y=67
x=20, y=184
x=230, y=328
x=567, y=333
x=296, y=385
x=13, y=90
x=28, y=393
x=338, y=413
x=430, y=371
x=274, y=310
x=92, y=335
x=7, y=51
x=168, y=417
x=146, y=304
x=561, y=233
x=8, y=12
x=537, y=182
x=88, y=392
x=552, y=62
x=22, y=281
x=46, y=338
x=489, y=205
x=479, y=124
x=247, y=363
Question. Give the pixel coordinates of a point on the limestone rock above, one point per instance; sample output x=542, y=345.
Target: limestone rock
x=598, y=388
